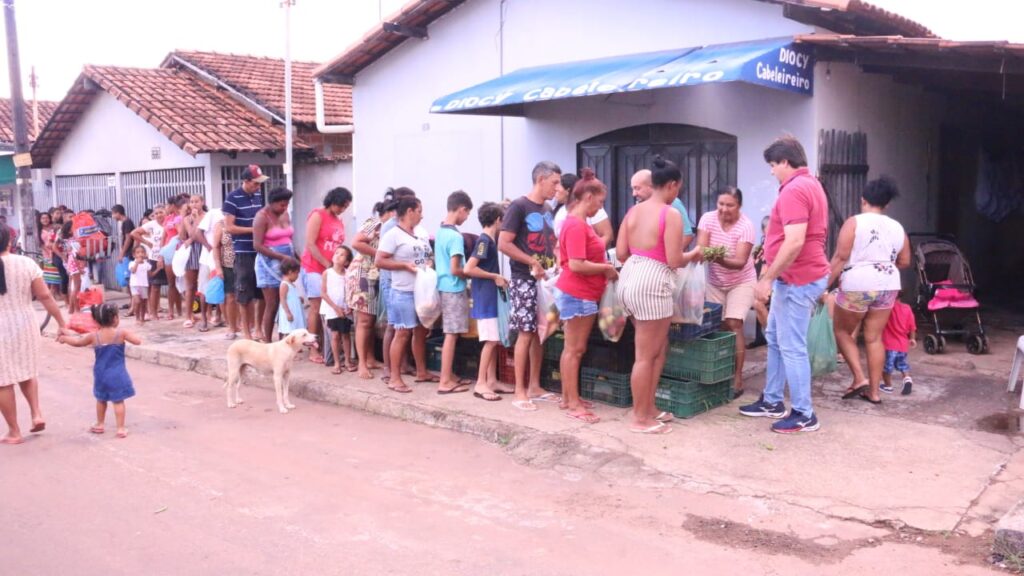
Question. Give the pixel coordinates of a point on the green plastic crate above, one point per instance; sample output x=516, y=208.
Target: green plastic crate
x=606, y=387
x=551, y=376
x=686, y=399
x=434, y=346
x=553, y=346
x=706, y=360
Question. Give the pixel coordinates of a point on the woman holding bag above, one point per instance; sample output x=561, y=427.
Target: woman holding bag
x=650, y=244
x=731, y=276
x=585, y=272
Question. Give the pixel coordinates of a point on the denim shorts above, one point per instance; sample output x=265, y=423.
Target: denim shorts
x=570, y=307
x=311, y=283
x=402, y=310
x=896, y=361
x=268, y=270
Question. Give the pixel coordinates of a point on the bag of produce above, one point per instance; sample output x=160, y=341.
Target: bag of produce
x=426, y=297
x=688, y=297
x=612, y=316
x=821, y=342
x=548, y=317
x=215, y=291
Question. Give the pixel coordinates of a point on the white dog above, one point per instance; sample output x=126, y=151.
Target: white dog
x=276, y=357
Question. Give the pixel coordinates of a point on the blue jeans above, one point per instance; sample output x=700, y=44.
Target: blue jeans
x=788, y=319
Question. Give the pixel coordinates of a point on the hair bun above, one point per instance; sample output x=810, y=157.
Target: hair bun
x=588, y=174
x=659, y=162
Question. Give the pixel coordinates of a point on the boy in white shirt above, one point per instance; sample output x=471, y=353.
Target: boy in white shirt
x=138, y=282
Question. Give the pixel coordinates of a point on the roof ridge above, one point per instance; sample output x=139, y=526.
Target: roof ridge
x=252, y=56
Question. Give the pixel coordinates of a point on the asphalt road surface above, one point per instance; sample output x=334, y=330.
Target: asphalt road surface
x=199, y=489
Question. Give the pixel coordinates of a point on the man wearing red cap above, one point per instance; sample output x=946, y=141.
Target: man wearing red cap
x=240, y=208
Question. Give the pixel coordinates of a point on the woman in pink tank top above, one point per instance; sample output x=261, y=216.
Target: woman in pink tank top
x=650, y=244
x=324, y=232
x=272, y=238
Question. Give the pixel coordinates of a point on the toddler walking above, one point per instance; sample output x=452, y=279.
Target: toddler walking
x=334, y=308
x=111, y=382
x=899, y=336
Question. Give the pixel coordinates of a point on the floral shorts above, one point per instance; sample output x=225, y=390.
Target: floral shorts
x=523, y=305
x=860, y=302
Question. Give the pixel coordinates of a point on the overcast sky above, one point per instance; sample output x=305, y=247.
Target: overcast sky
x=59, y=36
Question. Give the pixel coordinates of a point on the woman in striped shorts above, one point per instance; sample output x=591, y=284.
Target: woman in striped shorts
x=650, y=243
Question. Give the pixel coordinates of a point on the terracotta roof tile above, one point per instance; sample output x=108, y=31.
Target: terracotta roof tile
x=262, y=80
x=46, y=109
x=190, y=112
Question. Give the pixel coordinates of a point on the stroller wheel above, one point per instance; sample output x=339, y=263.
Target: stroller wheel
x=976, y=344
x=942, y=343
x=931, y=344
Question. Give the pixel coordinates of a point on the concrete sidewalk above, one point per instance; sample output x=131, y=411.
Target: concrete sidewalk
x=946, y=458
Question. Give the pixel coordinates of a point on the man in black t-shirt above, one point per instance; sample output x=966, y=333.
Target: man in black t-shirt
x=528, y=239
x=118, y=214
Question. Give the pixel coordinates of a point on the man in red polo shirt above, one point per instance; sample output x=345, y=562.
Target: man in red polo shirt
x=796, y=275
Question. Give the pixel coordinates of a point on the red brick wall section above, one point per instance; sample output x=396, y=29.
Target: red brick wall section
x=328, y=145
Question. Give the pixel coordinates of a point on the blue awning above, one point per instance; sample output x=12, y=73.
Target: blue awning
x=774, y=63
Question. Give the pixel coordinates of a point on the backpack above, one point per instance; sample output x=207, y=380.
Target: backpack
x=93, y=241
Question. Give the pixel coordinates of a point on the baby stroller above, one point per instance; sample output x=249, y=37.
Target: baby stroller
x=946, y=285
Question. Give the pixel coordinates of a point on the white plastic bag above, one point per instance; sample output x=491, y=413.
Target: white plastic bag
x=427, y=298
x=180, y=260
x=612, y=317
x=688, y=297
x=549, y=319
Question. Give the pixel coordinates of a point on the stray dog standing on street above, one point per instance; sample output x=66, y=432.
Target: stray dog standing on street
x=276, y=357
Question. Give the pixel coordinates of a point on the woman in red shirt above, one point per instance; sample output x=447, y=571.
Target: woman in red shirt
x=585, y=273
x=324, y=232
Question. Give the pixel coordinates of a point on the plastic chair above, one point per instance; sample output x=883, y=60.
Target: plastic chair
x=1018, y=361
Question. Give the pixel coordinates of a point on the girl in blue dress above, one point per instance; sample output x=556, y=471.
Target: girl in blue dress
x=111, y=382
x=290, y=315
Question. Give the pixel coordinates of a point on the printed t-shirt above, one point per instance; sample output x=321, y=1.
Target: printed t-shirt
x=332, y=235
x=485, y=291
x=404, y=247
x=449, y=243
x=742, y=231
x=419, y=231
x=897, y=331
x=534, y=229
x=579, y=242
x=155, y=237
x=244, y=208
x=801, y=201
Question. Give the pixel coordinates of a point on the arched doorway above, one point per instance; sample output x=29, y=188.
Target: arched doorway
x=706, y=157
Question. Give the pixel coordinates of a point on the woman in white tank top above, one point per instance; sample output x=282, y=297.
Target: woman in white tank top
x=871, y=249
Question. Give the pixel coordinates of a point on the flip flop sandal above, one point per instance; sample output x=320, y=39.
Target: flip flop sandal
x=524, y=405
x=586, y=417
x=12, y=441
x=665, y=417
x=404, y=390
x=433, y=379
x=487, y=396
x=352, y=368
x=457, y=390
x=548, y=397
x=659, y=428
x=97, y=429
x=188, y=324
x=336, y=371
x=856, y=391
x=204, y=328
x=231, y=336
x=585, y=403
x=316, y=359
x=38, y=427
x=122, y=434
x=867, y=398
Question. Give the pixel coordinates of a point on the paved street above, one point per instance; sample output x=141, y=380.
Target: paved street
x=200, y=489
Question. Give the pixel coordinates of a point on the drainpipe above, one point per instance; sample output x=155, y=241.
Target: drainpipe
x=321, y=121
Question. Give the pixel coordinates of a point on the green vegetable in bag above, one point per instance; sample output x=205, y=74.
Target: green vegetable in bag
x=821, y=342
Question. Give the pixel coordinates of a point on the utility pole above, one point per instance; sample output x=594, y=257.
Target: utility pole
x=288, y=167
x=33, y=82
x=22, y=161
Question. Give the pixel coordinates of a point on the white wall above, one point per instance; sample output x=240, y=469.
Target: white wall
x=398, y=142
x=312, y=182
x=902, y=123
x=109, y=137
